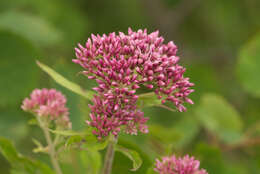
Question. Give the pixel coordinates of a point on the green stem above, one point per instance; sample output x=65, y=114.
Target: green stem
x=51, y=147
x=109, y=155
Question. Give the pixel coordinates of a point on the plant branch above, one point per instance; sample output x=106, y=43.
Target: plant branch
x=51, y=147
x=109, y=155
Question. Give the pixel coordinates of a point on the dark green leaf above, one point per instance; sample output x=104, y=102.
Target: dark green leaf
x=21, y=163
x=132, y=155
x=92, y=160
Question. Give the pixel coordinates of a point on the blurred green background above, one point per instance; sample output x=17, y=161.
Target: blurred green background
x=219, y=44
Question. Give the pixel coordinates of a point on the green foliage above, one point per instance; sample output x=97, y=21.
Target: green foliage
x=248, y=66
x=20, y=163
x=217, y=41
x=122, y=164
x=92, y=161
x=64, y=82
x=132, y=155
x=148, y=100
x=220, y=118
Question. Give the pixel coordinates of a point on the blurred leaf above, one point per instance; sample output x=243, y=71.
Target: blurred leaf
x=30, y=27
x=248, y=66
x=132, y=155
x=18, y=73
x=64, y=82
x=147, y=100
x=219, y=117
x=21, y=163
x=151, y=171
x=92, y=161
x=56, y=12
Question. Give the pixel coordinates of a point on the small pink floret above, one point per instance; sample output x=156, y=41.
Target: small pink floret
x=181, y=165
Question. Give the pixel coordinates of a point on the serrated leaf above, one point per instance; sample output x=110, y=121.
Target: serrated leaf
x=23, y=24
x=248, y=66
x=64, y=82
x=132, y=155
x=219, y=117
x=21, y=163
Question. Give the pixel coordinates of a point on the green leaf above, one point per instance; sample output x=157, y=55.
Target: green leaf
x=86, y=140
x=147, y=100
x=23, y=24
x=219, y=117
x=16, y=65
x=248, y=66
x=64, y=82
x=132, y=155
x=92, y=161
x=21, y=163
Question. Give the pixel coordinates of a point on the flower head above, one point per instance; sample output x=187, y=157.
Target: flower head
x=121, y=64
x=173, y=165
x=48, y=103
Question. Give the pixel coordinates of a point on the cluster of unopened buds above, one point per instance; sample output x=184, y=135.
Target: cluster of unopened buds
x=181, y=165
x=48, y=104
x=121, y=64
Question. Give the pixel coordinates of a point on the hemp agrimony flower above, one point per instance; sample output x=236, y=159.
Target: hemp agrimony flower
x=121, y=64
x=50, y=104
x=173, y=165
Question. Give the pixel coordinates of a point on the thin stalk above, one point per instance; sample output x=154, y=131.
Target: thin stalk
x=109, y=158
x=51, y=147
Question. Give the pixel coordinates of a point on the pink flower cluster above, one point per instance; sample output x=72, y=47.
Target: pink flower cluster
x=173, y=165
x=120, y=64
x=48, y=103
